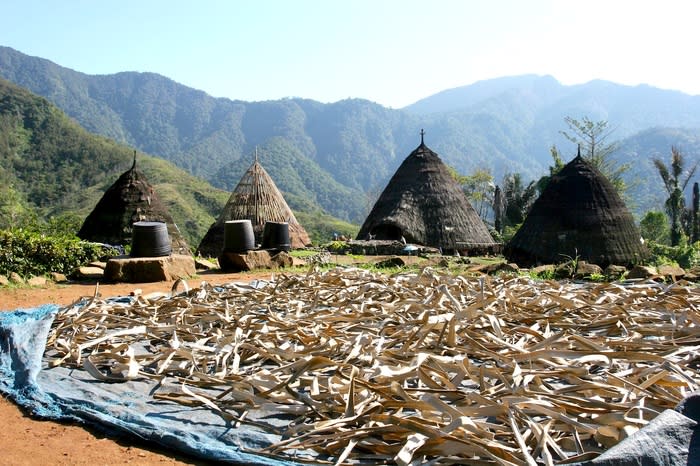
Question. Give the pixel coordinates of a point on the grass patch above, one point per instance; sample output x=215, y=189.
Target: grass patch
x=303, y=253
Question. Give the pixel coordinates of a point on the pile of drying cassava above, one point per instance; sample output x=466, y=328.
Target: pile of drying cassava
x=423, y=368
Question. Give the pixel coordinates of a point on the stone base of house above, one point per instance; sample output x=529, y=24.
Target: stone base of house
x=255, y=259
x=149, y=269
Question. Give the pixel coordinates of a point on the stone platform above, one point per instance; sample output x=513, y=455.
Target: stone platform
x=149, y=269
x=255, y=259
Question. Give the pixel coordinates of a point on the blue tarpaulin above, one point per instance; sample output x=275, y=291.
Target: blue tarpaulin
x=62, y=393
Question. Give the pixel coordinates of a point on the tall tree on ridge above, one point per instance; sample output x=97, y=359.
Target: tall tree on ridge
x=479, y=188
x=592, y=137
x=675, y=204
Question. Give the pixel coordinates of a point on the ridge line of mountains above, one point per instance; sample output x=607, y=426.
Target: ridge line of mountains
x=336, y=158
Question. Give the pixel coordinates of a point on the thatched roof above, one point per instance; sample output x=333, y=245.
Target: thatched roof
x=425, y=205
x=130, y=199
x=255, y=198
x=578, y=215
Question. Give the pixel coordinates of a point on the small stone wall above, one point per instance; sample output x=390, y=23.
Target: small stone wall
x=387, y=248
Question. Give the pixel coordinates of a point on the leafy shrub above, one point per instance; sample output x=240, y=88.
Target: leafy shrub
x=508, y=232
x=685, y=255
x=597, y=277
x=542, y=273
x=654, y=227
x=29, y=253
x=337, y=247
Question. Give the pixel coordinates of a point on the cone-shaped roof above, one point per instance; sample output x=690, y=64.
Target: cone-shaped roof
x=578, y=215
x=425, y=205
x=130, y=199
x=255, y=198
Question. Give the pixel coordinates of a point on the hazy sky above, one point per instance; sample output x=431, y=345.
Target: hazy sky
x=393, y=52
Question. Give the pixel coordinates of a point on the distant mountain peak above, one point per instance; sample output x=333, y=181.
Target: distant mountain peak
x=466, y=96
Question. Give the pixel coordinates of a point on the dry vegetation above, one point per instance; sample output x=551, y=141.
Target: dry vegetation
x=419, y=366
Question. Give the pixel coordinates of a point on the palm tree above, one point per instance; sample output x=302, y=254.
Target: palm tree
x=518, y=198
x=675, y=204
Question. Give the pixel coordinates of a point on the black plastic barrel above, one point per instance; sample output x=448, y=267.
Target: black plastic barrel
x=150, y=239
x=276, y=236
x=238, y=236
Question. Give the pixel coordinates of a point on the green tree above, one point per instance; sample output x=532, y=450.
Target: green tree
x=14, y=211
x=675, y=185
x=518, y=198
x=654, y=227
x=479, y=188
x=592, y=139
x=558, y=164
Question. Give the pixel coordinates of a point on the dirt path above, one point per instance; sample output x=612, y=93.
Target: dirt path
x=26, y=441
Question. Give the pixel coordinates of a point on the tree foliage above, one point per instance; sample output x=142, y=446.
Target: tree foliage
x=480, y=188
x=675, y=182
x=557, y=165
x=654, y=227
x=518, y=198
x=592, y=140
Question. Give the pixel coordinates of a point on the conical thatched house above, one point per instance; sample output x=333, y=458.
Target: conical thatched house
x=130, y=199
x=255, y=198
x=425, y=205
x=578, y=215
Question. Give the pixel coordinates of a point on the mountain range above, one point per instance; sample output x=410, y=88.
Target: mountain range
x=337, y=157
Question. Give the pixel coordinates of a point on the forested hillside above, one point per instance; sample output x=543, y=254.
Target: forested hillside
x=336, y=157
x=52, y=166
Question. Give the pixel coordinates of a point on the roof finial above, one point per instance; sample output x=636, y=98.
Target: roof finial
x=422, y=133
x=134, y=164
x=579, y=151
x=256, y=154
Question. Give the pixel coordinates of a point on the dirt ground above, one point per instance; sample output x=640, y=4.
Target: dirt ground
x=26, y=441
